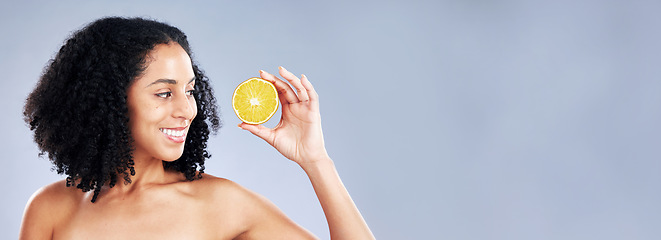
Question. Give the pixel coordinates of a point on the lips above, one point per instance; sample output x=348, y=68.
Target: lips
x=177, y=135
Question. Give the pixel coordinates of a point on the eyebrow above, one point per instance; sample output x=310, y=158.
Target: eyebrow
x=168, y=81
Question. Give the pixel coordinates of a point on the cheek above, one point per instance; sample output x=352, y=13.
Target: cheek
x=194, y=107
x=144, y=115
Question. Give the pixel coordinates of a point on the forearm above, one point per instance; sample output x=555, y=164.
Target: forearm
x=344, y=219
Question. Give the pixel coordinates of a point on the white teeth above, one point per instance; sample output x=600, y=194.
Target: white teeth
x=173, y=133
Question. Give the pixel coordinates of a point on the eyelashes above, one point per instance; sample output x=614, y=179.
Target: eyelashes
x=169, y=93
x=164, y=94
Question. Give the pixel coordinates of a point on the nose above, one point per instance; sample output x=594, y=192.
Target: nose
x=185, y=107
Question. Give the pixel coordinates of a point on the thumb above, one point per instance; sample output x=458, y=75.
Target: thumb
x=259, y=131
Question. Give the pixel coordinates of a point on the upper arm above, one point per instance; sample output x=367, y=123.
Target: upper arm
x=259, y=217
x=40, y=214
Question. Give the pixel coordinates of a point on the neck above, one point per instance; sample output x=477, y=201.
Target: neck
x=149, y=171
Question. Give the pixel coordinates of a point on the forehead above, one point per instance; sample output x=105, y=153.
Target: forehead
x=166, y=61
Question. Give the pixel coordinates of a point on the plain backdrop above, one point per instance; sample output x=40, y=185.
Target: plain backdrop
x=457, y=119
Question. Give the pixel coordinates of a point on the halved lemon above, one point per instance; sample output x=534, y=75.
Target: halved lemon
x=255, y=101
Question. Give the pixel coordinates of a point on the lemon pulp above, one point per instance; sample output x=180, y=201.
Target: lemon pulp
x=255, y=101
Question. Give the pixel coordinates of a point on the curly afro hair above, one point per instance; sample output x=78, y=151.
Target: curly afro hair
x=78, y=110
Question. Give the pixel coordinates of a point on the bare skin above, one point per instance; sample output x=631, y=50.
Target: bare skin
x=161, y=204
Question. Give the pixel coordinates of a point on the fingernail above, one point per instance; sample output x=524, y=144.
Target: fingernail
x=281, y=68
x=261, y=71
x=239, y=126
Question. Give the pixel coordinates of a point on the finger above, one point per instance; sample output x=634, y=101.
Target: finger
x=285, y=92
x=281, y=87
x=259, y=131
x=302, y=91
x=310, y=89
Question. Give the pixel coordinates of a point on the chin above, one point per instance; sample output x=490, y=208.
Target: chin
x=172, y=156
x=169, y=160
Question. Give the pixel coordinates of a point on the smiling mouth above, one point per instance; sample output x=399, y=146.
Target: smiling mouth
x=172, y=132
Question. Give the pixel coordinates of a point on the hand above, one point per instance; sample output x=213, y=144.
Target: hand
x=298, y=135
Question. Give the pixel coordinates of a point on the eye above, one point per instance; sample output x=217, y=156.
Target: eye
x=190, y=92
x=164, y=94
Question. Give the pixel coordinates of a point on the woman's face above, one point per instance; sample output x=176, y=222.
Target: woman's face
x=161, y=104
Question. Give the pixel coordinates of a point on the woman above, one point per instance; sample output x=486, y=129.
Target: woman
x=125, y=113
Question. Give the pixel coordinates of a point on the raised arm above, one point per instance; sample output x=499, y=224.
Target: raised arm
x=299, y=138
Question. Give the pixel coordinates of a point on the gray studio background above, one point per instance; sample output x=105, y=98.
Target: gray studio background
x=446, y=119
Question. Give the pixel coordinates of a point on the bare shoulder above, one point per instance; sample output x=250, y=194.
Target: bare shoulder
x=53, y=198
x=220, y=190
x=47, y=207
x=257, y=216
x=58, y=190
x=223, y=190
x=212, y=183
